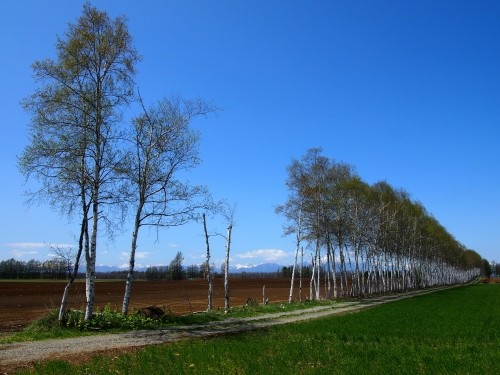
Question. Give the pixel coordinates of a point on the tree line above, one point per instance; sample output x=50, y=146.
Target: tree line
x=363, y=239
x=34, y=269
x=60, y=269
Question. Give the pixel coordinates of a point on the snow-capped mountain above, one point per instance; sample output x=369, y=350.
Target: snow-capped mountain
x=259, y=268
x=237, y=268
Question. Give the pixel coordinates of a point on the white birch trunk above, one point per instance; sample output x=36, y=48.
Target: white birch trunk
x=357, y=273
x=328, y=267
x=90, y=269
x=90, y=288
x=82, y=242
x=209, y=271
x=327, y=275
x=290, y=296
x=133, y=248
x=64, y=300
x=226, y=270
x=334, y=273
x=300, y=272
x=311, y=282
x=298, y=238
x=318, y=265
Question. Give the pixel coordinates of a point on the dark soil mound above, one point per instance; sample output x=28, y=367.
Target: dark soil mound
x=153, y=312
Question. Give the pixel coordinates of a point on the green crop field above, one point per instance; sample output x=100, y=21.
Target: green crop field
x=455, y=331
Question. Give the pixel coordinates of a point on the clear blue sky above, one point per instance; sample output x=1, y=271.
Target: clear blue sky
x=405, y=91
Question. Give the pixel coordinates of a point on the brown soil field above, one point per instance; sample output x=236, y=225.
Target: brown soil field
x=22, y=302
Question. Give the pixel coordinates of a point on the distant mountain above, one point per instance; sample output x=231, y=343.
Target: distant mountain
x=238, y=268
x=260, y=268
x=105, y=269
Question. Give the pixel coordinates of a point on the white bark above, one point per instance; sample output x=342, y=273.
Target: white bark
x=298, y=238
x=226, y=269
x=208, y=270
x=90, y=257
x=318, y=268
x=300, y=272
x=290, y=296
x=131, y=264
x=83, y=240
x=312, y=281
x=64, y=301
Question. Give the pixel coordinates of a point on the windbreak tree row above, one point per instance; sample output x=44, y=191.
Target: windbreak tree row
x=363, y=239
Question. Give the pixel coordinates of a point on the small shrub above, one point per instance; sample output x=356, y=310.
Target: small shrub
x=76, y=319
x=107, y=319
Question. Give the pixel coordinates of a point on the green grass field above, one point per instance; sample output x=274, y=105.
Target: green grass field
x=456, y=331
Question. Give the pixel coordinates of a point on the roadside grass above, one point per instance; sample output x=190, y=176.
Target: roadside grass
x=111, y=320
x=455, y=331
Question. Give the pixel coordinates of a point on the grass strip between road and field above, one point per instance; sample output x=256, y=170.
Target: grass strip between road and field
x=111, y=320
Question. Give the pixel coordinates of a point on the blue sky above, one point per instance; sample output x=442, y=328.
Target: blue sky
x=405, y=91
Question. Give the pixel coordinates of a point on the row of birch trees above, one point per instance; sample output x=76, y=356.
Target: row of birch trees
x=94, y=164
x=363, y=239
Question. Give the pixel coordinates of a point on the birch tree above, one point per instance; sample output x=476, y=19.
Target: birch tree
x=72, y=262
x=307, y=183
x=163, y=147
x=226, y=268
x=207, y=267
x=292, y=211
x=76, y=115
x=228, y=213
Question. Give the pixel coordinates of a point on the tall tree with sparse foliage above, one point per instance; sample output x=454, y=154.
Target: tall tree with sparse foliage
x=228, y=213
x=162, y=147
x=207, y=268
x=76, y=128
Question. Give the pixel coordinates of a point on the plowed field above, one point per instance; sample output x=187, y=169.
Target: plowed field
x=21, y=302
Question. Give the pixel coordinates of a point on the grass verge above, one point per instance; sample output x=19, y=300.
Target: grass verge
x=110, y=320
x=448, y=332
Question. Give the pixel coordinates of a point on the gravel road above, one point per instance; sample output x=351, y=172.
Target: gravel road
x=25, y=354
